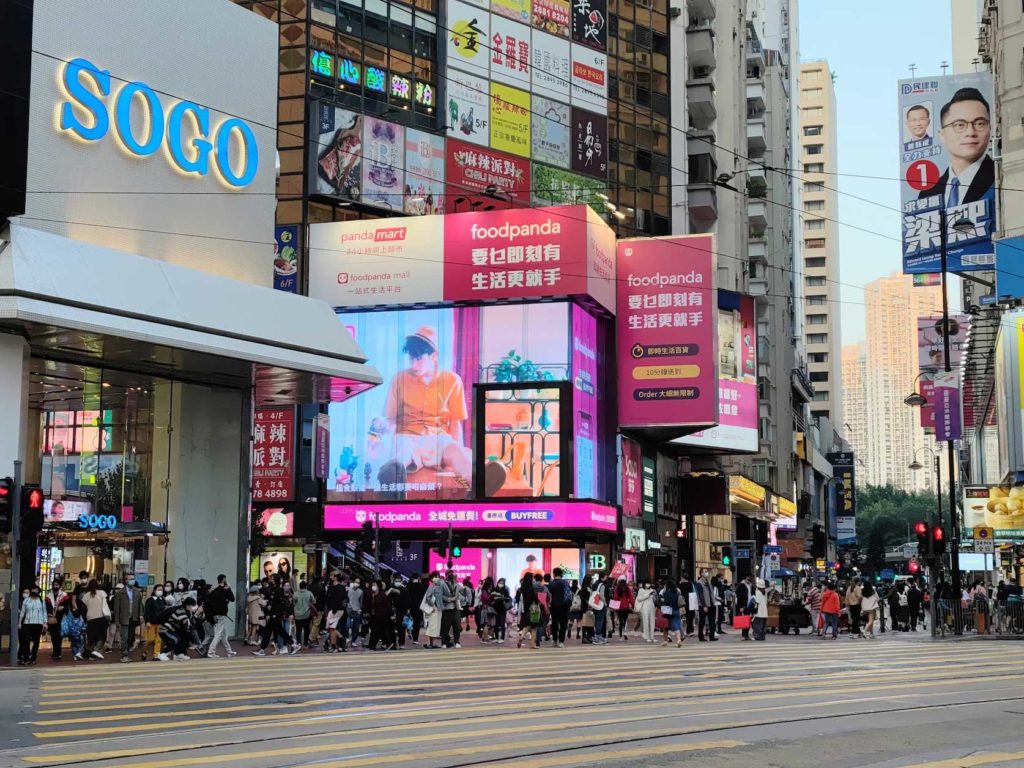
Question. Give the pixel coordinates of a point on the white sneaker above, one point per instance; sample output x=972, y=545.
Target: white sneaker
x=231, y=653
x=96, y=655
x=212, y=655
x=296, y=648
x=561, y=645
x=181, y=657
x=458, y=645
x=259, y=652
x=163, y=657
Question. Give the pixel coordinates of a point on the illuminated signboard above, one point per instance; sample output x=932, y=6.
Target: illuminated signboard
x=424, y=94
x=375, y=79
x=401, y=88
x=321, y=63
x=87, y=87
x=348, y=71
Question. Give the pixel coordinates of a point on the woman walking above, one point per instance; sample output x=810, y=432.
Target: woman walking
x=431, y=607
x=97, y=615
x=868, y=608
x=526, y=599
x=670, y=608
x=501, y=601
x=645, y=609
x=622, y=595
x=302, y=605
x=760, y=610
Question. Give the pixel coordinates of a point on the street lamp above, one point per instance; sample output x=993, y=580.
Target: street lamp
x=915, y=399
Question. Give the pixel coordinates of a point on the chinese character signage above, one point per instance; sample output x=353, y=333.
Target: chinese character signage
x=519, y=10
x=631, y=460
x=590, y=143
x=667, y=327
x=424, y=172
x=510, y=52
x=321, y=64
x=286, y=258
x=521, y=516
x=474, y=169
x=383, y=161
x=469, y=37
x=510, y=120
x=948, y=417
x=552, y=16
x=550, y=132
x=590, y=23
x=273, y=449
x=469, y=105
x=556, y=186
x=946, y=165
x=737, y=379
x=843, y=469
x=589, y=78
x=552, y=66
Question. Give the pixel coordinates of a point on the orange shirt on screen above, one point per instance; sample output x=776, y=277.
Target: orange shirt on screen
x=419, y=408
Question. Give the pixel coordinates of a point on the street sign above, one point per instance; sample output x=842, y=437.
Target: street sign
x=888, y=574
x=985, y=546
x=742, y=554
x=773, y=548
x=909, y=551
x=984, y=532
x=820, y=564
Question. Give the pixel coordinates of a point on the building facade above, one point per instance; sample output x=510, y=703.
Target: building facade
x=855, y=427
x=820, y=238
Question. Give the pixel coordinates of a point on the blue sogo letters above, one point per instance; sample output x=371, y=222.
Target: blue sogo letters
x=191, y=157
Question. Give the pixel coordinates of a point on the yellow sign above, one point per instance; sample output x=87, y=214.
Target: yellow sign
x=787, y=508
x=469, y=39
x=746, y=489
x=984, y=532
x=510, y=120
x=666, y=372
x=820, y=564
x=519, y=10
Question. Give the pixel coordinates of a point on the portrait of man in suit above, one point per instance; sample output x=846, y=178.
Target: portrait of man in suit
x=965, y=128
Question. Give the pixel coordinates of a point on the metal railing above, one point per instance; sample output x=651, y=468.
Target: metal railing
x=979, y=617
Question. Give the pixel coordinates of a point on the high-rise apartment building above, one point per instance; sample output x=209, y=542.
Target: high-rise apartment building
x=855, y=406
x=893, y=430
x=820, y=238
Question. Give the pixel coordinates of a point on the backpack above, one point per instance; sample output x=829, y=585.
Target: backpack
x=536, y=613
x=577, y=604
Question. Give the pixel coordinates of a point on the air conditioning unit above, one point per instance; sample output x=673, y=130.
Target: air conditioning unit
x=701, y=72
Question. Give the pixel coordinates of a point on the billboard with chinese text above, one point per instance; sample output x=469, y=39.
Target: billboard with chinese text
x=843, y=470
x=947, y=170
x=273, y=452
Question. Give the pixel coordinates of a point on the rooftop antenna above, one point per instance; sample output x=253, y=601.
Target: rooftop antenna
x=913, y=69
x=944, y=66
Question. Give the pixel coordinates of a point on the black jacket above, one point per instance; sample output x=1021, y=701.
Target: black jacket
x=216, y=603
x=980, y=184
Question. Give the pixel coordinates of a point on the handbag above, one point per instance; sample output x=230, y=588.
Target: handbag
x=615, y=604
x=588, y=620
x=692, y=601
x=741, y=622
x=661, y=621
x=666, y=610
x=426, y=607
x=106, y=610
x=596, y=601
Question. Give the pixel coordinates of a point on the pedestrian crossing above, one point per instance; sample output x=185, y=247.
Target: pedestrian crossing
x=546, y=707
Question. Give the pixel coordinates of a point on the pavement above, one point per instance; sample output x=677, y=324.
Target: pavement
x=792, y=702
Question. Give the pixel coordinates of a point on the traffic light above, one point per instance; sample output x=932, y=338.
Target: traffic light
x=819, y=547
x=366, y=537
x=441, y=549
x=727, y=555
x=913, y=567
x=6, y=504
x=922, y=531
x=31, y=508
x=458, y=541
x=938, y=540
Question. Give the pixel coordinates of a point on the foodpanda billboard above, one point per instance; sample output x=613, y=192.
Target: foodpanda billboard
x=163, y=148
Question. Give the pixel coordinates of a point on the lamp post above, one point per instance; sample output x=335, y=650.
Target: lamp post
x=916, y=465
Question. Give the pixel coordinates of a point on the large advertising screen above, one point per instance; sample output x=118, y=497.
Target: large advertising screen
x=844, y=469
x=946, y=165
x=413, y=437
x=668, y=373
x=539, y=515
x=506, y=254
x=737, y=428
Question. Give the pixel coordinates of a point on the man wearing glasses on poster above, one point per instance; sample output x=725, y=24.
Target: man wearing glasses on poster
x=965, y=129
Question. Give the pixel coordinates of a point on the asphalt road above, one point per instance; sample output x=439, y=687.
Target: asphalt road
x=791, y=702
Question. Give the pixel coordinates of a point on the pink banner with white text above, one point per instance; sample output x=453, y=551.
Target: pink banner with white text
x=511, y=516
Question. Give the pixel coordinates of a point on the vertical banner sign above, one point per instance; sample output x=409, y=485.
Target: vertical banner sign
x=584, y=384
x=273, y=454
x=649, y=493
x=321, y=446
x=946, y=164
x=843, y=463
x=632, y=501
x=286, y=258
x=948, y=418
x=668, y=375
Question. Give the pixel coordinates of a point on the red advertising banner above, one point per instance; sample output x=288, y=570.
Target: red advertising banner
x=516, y=253
x=631, y=490
x=273, y=454
x=667, y=305
x=472, y=168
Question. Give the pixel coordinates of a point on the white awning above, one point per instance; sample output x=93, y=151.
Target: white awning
x=80, y=301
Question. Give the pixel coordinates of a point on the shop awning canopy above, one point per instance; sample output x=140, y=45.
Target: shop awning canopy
x=91, y=305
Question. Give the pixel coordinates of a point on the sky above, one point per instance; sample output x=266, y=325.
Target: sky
x=870, y=45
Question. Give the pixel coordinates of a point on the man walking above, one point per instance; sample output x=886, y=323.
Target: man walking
x=706, y=608
x=215, y=608
x=355, y=611
x=415, y=593
x=335, y=601
x=561, y=599
x=812, y=599
x=854, y=595
x=126, y=612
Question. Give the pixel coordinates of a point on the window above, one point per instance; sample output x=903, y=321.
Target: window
x=815, y=243
x=812, y=130
x=822, y=396
x=817, y=338
x=815, y=263
x=819, y=376
x=813, y=224
x=814, y=186
x=814, y=167
x=814, y=205
x=820, y=414
x=818, y=357
x=817, y=319
x=814, y=112
x=811, y=93
x=811, y=76
x=814, y=149
x=815, y=281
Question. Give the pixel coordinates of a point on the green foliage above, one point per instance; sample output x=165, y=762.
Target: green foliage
x=885, y=515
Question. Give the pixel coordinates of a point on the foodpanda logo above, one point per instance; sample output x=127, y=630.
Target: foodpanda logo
x=361, y=516
x=343, y=278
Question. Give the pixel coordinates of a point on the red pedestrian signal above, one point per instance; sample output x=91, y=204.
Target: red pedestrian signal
x=938, y=541
x=921, y=529
x=35, y=499
x=913, y=567
x=6, y=504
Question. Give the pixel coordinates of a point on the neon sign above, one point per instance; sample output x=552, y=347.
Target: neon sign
x=400, y=87
x=321, y=63
x=348, y=71
x=87, y=85
x=97, y=522
x=375, y=79
x=424, y=94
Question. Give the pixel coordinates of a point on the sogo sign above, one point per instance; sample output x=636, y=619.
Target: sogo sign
x=191, y=156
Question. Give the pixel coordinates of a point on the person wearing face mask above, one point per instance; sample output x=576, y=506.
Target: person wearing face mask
x=451, y=612
x=381, y=628
x=434, y=600
x=355, y=611
x=31, y=620
x=645, y=610
x=277, y=608
x=176, y=630
x=126, y=613
x=153, y=608
x=57, y=604
x=501, y=600
x=599, y=605
x=707, y=611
